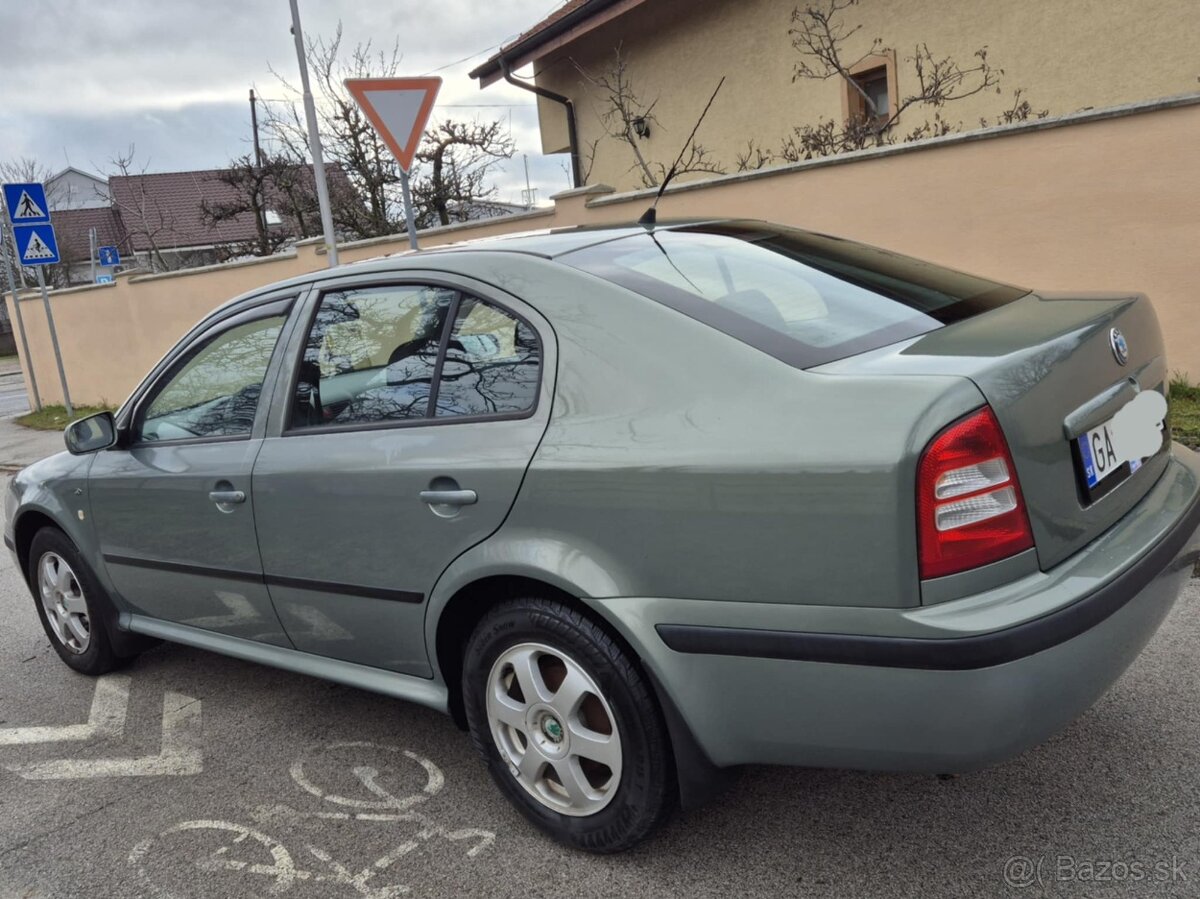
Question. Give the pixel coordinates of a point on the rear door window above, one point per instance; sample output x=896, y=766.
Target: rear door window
x=409, y=352
x=804, y=298
x=491, y=364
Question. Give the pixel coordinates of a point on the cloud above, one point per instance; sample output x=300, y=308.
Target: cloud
x=88, y=79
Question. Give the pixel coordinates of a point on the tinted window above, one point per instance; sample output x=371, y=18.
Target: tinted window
x=491, y=363
x=805, y=298
x=215, y=393
x=370, y=355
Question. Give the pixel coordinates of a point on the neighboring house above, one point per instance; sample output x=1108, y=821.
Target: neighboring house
x=1066, y=56
x=73, y=188
x=158, y=221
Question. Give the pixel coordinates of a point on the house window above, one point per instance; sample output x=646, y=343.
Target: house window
x=874, y=84
x=875, y=77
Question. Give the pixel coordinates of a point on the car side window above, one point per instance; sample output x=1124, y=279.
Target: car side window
x=215, y=392
x=491, y=364
x=370, y=355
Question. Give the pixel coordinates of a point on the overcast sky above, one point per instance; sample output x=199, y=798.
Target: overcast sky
x=81, y=81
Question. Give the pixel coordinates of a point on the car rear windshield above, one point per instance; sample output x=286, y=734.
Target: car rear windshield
x=804, y=298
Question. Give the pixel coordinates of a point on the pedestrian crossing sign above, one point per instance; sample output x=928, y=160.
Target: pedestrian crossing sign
x=26, y=204
x=36, y=244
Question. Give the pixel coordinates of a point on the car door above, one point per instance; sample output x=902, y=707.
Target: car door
x=413, y=411
x=173, y=508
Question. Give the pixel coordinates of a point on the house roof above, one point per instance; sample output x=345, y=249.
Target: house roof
x=71, y=227
x=166, y=209
x=570, y=21
x=72, y=168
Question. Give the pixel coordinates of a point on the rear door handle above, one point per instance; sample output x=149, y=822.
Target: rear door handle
x=224, y=497
x=449, y=497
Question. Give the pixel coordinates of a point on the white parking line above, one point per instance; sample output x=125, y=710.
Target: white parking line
x=181, y=751
x=107, y=718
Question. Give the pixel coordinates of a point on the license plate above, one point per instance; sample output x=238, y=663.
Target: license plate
x=1100, y=456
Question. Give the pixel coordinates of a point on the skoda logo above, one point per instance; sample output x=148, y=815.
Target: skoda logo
x=1119, y=347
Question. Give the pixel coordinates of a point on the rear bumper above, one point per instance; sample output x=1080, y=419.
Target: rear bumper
x=945, y=688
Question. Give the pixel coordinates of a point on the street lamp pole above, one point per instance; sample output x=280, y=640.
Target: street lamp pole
x=314, y=140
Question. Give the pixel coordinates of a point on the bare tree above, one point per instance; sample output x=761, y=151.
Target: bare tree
x=820, y=34
x=347, y=137
x=623, y=113
x=458, y=158
x=464, y=153
x=279, y=186
x=141, y=213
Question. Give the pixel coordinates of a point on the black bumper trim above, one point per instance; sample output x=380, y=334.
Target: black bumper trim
x=943, y=653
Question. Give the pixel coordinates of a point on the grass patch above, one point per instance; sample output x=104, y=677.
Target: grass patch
x=55, y=418
x=1185, y=411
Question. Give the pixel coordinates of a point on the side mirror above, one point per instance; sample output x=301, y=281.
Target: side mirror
x=96, y=432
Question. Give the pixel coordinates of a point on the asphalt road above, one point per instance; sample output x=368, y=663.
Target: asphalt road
x=227, y=779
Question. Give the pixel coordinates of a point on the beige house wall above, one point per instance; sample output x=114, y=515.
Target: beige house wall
x=1099, y=201
x=1067, y=55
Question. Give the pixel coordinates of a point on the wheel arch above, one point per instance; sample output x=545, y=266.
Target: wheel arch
x=697, y=778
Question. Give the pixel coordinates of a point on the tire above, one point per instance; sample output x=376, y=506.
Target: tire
x=80, y=589
x=602, y=728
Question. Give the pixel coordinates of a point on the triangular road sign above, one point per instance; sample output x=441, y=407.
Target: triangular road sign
x=27, y=208
x=398, y=108
x=37, y=249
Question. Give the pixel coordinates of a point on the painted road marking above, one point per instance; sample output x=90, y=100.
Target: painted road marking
x=107, y=718
x=181, y=752
x=243, y=850
x=367, y=776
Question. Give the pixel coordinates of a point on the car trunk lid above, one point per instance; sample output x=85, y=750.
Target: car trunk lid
x=1048, y=366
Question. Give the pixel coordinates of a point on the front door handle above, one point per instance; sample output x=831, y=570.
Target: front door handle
x=449, y=497
x=224, y=497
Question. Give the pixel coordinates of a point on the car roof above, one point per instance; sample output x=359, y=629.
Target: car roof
x=545, y=244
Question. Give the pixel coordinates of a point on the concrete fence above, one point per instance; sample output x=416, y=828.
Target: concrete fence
x=1098, y=200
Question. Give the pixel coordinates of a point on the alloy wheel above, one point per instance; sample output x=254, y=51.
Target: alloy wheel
x=64, y=603
x=555, y=730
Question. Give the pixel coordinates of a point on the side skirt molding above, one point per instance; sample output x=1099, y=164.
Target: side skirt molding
x=422, y=691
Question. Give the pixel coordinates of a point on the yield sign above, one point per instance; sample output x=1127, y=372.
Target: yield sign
x=398, y=108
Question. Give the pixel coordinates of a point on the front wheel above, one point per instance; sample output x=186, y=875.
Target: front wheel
x=69, y=601
x=569, y=728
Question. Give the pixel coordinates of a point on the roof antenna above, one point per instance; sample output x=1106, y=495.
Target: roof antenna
x=650, y=216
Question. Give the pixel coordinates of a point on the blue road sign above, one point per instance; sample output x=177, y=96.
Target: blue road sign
x=108, y=255
x=104, y=279
x=36, y=244
x=26, y=204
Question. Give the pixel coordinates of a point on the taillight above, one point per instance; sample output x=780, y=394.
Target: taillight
x=969, y=506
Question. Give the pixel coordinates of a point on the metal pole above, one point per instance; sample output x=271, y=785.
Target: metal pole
x=12, y=286
x=408, y=210
x=62, y=375
x=314, y=141
x=254, y=128
x=92, y=248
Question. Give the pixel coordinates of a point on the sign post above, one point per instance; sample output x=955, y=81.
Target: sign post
x=398, y=109
x=36, y=246
x=314, y=141
x=12, y=286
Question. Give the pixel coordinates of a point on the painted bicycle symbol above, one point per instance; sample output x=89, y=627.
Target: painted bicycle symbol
x=362, y=793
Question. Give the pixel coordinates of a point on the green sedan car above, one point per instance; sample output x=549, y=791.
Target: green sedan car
x=634, y=505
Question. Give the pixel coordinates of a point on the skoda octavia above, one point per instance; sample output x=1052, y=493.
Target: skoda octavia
x=637, y=504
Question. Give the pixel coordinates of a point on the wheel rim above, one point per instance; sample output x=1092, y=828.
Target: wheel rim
x=555, y=730
x=64, y=603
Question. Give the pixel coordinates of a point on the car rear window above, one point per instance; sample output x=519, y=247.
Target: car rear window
x=804, y=298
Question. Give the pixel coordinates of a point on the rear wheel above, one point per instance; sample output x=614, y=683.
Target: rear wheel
x=568, y=727
x=69, y=602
